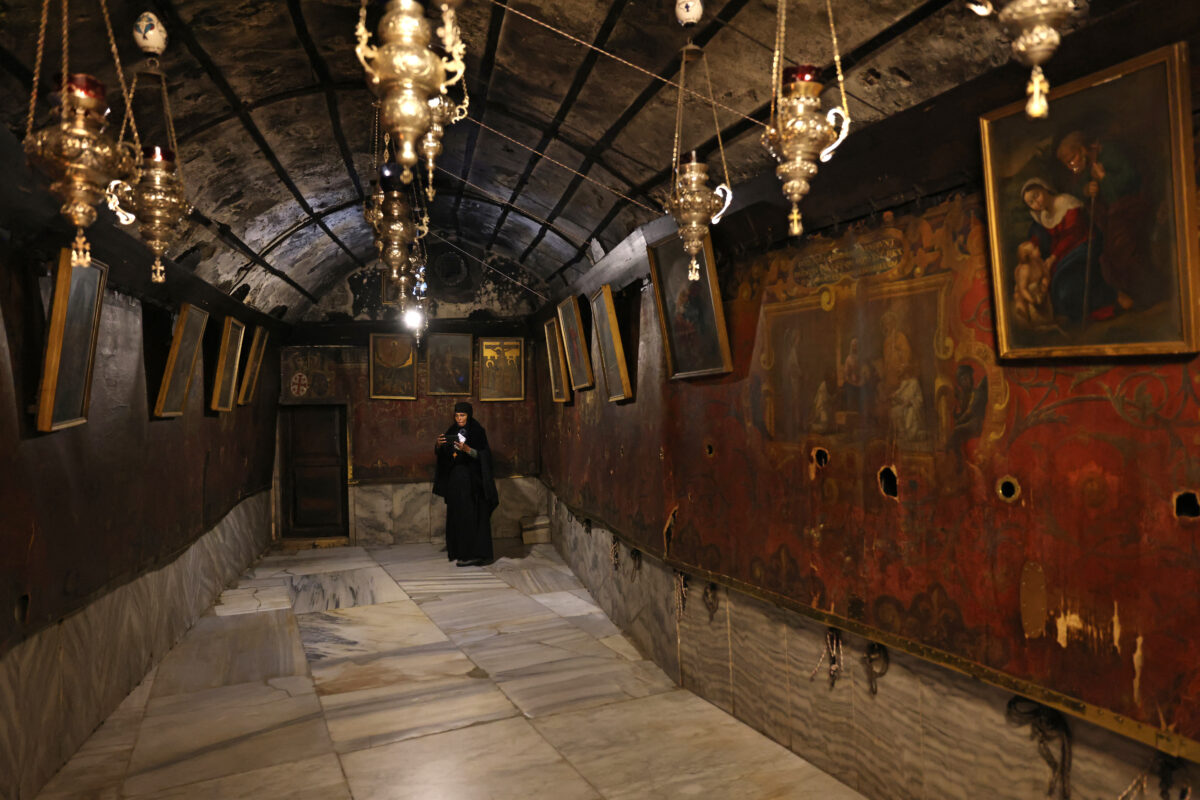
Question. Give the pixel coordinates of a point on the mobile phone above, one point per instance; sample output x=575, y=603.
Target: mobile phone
x=462, y=436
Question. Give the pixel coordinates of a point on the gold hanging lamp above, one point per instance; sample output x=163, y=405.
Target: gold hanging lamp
x=156, y=200
x=1034, y=25
x=798, y=135
x=75, y=149
x=405, y=73
x=691, y=202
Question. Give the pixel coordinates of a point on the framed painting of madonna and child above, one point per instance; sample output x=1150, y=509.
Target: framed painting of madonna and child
x=1092, y=215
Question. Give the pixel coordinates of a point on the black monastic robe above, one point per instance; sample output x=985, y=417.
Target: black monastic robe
x=467, y=485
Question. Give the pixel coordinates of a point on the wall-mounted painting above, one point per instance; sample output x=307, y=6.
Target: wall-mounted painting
x=501, y=369
x=393, y=366
x=258, y=345
x=608, y=340
x=75, y=307
x=181, y=361
x=579, y=360
x=448, y=356
x=690, y=313
x=1092, y=215
x=559, y=380
x=225, y=382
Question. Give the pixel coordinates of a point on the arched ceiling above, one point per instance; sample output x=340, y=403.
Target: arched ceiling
x=274, y=118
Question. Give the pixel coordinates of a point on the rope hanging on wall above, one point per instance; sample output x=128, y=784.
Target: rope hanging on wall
x=1047, y=728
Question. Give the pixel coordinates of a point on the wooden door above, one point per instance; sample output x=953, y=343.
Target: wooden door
x=315, y=501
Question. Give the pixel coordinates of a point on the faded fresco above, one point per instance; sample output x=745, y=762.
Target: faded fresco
x=876, y=351
x=392, y=441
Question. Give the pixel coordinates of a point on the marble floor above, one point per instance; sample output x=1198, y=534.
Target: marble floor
x=389, y=672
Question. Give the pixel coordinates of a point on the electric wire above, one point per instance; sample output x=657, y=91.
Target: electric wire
x=505, y=203
x=474, y=257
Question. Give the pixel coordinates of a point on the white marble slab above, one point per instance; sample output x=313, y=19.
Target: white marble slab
x=316, y=778
x=350, y=632
x=320, y=591
x=504, y=760
x=307, y=562
x=567, y=604
x=251, y=600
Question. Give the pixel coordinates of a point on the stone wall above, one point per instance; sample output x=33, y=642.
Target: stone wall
x=392, y=513
x=59, y=684
x=927, y=733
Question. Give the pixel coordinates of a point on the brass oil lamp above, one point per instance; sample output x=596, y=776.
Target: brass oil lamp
x=1034, y=26
x=691, y=202
x=441, y=114
x=799, y=136
x=79, y=156
x=694, y=205
x=155, y=201
x=395, y=231
x=404, y=73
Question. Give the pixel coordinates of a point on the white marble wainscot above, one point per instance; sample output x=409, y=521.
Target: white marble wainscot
x=58, y=685
x=928, y=732
x=400, y=513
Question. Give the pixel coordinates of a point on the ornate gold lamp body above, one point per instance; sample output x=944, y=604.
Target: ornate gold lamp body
x=404, y=73
x=441, y=114
x=800, y=136
x=1034, y=25
x=395, y=232
x=693, y=205
x=79, y=156
x=156, y=201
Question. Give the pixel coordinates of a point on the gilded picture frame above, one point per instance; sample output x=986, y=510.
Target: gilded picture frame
x=608, y=342
x=1092, y=216
x=556, y=359
x=186, y=340
x=501, y=369
x=258, y=346
x=225, y=382
x=449, y=359
x=690, y=314
x=65, y=391
x=575, y=345
x=393, y=367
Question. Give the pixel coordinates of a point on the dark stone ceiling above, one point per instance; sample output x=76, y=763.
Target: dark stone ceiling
x=274, y=118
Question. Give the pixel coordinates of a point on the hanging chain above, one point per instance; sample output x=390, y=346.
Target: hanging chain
x=837, y=60
x=125, y=95
x=681, y=592
x=678, y=121
x=777, y=58
x=66, y=75
x=125, y=118
x=720, y=144
x=172, y=142
x=37, y=67
x=375, y=139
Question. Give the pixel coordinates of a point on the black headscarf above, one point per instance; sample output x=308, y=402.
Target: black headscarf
x=463, y=407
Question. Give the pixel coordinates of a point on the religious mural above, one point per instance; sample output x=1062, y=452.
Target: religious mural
x=875, y=352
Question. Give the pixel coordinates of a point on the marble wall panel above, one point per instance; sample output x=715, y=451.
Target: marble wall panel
x=758, y=652
x=399, y=513
x=519, y=497
x=371, y=505
x=704, y=656
x=412, y=504
x=57, y=686
x=887, y=724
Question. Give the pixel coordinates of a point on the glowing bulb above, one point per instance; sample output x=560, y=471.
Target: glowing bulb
x=413, y=319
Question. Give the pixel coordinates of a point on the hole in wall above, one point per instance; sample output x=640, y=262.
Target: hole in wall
x=820, y=456
x=888, y=484
x=1186, y=505
x=708, y=450
x=21, y=610
x=904, y=77
x=1008, y=489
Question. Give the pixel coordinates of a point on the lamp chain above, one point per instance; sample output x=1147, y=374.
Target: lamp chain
x=125, y=94
x=716, y=125
x=37, y=66
x=678, y=121
x=66, y=16
x=171, y=140
x=777, y=58
x=837, y=60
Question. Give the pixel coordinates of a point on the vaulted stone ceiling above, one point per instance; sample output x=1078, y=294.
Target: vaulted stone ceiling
x=274, y=119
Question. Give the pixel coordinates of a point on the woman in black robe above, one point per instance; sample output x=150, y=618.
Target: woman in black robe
x=464, y=480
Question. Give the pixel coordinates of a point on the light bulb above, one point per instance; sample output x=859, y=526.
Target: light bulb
x=413, y=319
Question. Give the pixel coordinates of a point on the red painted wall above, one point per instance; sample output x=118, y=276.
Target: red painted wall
x=1098, y=450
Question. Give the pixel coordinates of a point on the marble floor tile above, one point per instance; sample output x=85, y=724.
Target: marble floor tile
x=250, y=600
x=187, y=738
x=675, y=745
x=492, y=610
x=530, y=644
x=566, y=604
x=538, y=580
x=439, y=661
x=504, y=760
x=320, y=591
x=224, y=651
x=620, y=644
x=347, y=632
x=407, y=709
x=598, y=625
x=571, y=684
x=307, y=562
x=317, y=778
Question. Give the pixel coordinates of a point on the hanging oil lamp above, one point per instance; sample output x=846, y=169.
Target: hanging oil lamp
x=691, y=202
x=798, y=135
x=75, y=149
x=156, y=199
x=441, y=114
x=394, y=230
x=1033, y=24
x=404, y=73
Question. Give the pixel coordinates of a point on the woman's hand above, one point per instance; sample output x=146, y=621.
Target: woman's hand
x=441, y=440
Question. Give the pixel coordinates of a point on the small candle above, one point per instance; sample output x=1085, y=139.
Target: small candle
x=803, y=72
